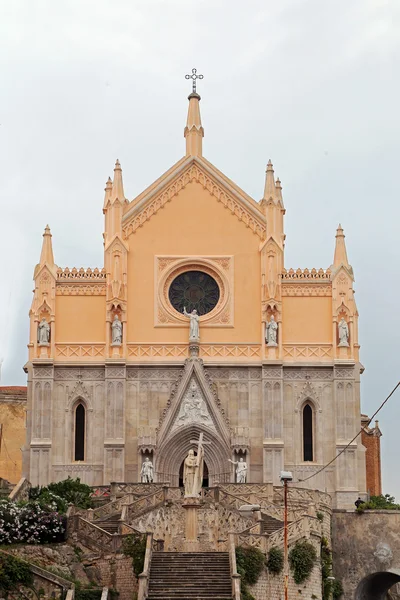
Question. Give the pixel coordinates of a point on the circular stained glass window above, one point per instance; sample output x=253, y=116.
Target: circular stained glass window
x=194, y=290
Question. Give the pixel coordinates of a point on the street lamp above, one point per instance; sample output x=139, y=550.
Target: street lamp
x=285, y=477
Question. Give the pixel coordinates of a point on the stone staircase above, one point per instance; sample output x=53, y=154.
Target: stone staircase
x=269, y=524
x=110, y=524
x=190, y=576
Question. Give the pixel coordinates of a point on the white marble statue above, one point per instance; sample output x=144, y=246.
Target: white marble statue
x=194, y=323
x=241, y=470
x=193, y=468
x=147, y=472
x=193, y=408
x=43, y=333
x=116, y=332
x=343, y=329
x=271, y=331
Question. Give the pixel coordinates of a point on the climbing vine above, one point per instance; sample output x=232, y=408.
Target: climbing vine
x=275, y=561
x=134, y=545
x=330, y=588
x=302, y=558
x=250, y=564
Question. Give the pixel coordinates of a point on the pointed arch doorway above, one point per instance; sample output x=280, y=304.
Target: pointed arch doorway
x=205, y=474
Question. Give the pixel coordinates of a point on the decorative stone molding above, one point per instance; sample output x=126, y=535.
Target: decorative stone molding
x=115, y=373
x=79, y=391
x=325, y=374
x=76, y=351
x=308, y=392
x=299, y=289
x=230, y=351
x=157, y=350
x=195, y=172
x=271, y=373
x=307, y=352
x=43, y=372
x=240, y=439
x=305, y=274
x=66, y=289
x=344, y=373
x=75, y=374
x=167, y=268
x=81, y=274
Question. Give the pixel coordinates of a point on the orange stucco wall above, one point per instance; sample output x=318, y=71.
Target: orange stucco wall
x=80, y=319
x=307, y=320
x=193, y=223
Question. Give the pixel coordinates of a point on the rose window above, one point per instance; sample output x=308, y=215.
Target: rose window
x=194, y=290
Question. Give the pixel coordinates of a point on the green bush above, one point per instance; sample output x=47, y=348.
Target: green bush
x=337, y=589
x=381, y=502
x=329, y=588
x=62, y=493
x=13, y=573
x=275, y=561
x=302, y=559
x=250, y=563
x=134, y=545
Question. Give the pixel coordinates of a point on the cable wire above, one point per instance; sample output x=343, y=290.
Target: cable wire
x=354, y=438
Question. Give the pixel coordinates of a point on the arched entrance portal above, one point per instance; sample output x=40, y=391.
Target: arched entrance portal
x=377, y=585
x=205, y=475
x=174, y=449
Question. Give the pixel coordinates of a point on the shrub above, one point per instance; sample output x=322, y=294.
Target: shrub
x=134, y=545
x=68, y=491
x=29, y=524
x=381, y=502
x=275, y=561
x=13, y=573
x=302, y=558
x=250, y=563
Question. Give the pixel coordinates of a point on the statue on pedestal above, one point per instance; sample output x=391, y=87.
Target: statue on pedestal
x=43, y=337
x=147, y=472
x=343, y=329
x=271, y=332
x=193, y=469
x=241, y=470
x=116, y=332
x=194, y=324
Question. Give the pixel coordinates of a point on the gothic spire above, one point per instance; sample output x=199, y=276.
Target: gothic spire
x=269, y=190
x=46, y=256
x=107, y=194
x=194, y=131
x=117, y=192
x=278, y=192
x=340, y=257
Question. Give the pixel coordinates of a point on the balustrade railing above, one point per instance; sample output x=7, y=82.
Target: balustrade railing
x=135, y=509
x=144, y=577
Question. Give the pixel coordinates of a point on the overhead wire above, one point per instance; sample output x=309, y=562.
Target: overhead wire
x=354, y=438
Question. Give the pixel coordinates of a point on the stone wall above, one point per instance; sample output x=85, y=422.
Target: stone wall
x=12, y=419
x=272, y=586
x=363, y=544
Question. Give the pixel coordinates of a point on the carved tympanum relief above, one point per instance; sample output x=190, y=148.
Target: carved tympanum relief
x=193, y=408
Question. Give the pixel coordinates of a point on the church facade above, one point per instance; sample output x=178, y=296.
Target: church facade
x=194, y=325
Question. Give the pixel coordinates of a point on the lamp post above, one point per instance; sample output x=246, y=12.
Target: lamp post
x=285, y=477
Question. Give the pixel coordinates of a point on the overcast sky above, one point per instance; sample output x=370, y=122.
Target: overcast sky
x=311, y=84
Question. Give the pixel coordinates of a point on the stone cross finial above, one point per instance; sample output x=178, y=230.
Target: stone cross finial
x=193, y=77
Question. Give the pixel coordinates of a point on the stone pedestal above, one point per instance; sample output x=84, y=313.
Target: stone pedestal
x=116, y=350
x=43, y=350
x=191, y=541
x=343, y=352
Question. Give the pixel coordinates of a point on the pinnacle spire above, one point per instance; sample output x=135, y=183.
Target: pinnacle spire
x=269, y=189
x=278, y=191
x=194, y=131
x=340, y=257
x=107, y=194
x=46, y=256
x=117, y=192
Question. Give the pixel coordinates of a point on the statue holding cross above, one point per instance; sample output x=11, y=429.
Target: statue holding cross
x=193, y=469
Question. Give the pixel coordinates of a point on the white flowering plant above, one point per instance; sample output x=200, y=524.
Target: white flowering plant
x=29, y=524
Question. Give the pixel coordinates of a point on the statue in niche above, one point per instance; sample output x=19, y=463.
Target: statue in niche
x=194, y=324
x=343, y=329
x=241, y=470
x=43, y=333
x=116, y=332
x=271, y=332
x=147, y=472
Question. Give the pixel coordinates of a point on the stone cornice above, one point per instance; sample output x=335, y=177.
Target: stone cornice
x=201, y=171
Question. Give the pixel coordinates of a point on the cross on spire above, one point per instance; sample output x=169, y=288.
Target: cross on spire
x=194, y=77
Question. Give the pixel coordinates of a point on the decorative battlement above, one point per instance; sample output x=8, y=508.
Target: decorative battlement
x=307, y=274
x=74, y=274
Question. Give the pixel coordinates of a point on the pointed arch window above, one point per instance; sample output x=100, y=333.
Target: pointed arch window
x=80, y=424
x=308, y=454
